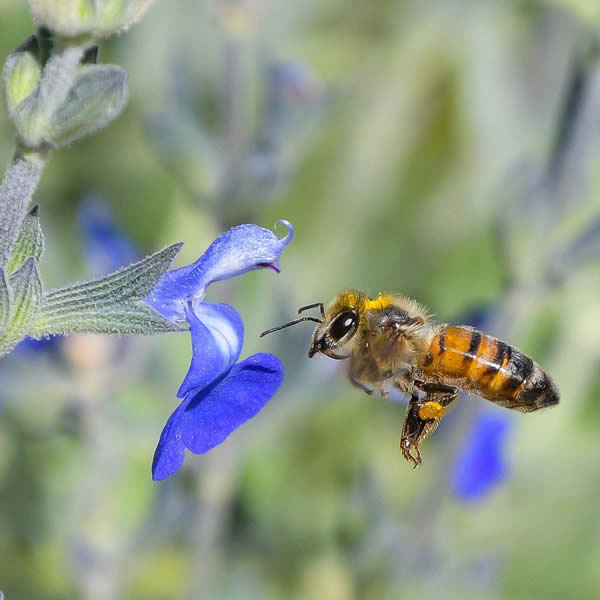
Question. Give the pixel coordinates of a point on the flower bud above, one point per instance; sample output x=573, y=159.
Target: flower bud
x=97, y=96
x=65, y=101
x=98, y=18
x=21, y=74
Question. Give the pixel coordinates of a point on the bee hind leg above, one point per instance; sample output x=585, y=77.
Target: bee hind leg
x=423, y=416
x=437, y=398
x=414, y=431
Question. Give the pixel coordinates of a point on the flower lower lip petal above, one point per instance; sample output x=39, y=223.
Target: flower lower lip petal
x=217, y=335
x=170, y=452
x=217, y=411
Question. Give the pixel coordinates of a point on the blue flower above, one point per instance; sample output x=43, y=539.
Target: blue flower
x=480, y=465
x=218, y=394
x=44, y=346
x=106, y=248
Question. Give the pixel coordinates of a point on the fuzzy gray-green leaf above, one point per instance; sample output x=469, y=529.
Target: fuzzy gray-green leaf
x=30, y=242
x=27, y=294
x=98, y=95
x=16, y=190
x=5, y=301
x=124, y=318
x=114, y=304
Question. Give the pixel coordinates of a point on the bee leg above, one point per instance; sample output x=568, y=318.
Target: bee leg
x=437, y=398
x=413, y=431
x=361, y=386
x=423, y=416
x=359, y=377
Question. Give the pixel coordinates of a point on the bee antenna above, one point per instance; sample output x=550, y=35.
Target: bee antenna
x=314, y=305
x=294, y=322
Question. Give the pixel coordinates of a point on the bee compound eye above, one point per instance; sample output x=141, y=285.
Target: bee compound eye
x=342, y=325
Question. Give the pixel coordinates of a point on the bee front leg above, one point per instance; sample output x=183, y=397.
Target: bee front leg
x=367, y=378
x=423, y=416
x=361, y=386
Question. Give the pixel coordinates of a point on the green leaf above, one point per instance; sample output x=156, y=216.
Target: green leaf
x=124, y=318
x=27, y=293
x=114, y=304
x=5, y=301
x=16, y=191
x=30, y=243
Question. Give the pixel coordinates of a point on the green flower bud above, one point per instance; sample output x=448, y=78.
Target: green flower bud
x=98, y=18
x=98, y=95
x=68, y=100
x=21, y=74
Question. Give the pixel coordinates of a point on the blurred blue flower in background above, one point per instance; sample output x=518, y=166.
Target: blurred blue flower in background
x=31, y=346
x=218, y=394
x=106, y=250
x=289, y=82
x=106, y=247
x=481, y=466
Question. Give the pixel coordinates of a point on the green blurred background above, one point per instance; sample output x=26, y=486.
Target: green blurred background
x=421, y=147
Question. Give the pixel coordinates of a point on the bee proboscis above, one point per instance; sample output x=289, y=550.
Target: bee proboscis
x=392, y=343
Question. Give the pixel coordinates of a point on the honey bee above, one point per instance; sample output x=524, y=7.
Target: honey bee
x=392, y=343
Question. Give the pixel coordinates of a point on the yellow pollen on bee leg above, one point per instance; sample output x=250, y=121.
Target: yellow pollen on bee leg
x=431, y=410
x=380, y=303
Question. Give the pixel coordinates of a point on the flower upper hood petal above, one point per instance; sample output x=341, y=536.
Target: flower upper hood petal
x=237, y=251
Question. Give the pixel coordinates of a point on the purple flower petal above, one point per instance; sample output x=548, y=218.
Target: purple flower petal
x=237, y=251
x=170, y=452
x=217, y=337
x=219, y=410
x=480, y=465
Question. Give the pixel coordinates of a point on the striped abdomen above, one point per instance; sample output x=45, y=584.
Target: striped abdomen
x=471, y=360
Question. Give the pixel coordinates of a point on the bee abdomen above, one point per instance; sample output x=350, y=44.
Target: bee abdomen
x=471, y=360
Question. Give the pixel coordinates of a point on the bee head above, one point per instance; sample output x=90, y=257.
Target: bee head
x=335, y=331
x=332, y=337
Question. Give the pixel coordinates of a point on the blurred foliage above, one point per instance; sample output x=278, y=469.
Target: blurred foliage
x=426, y=124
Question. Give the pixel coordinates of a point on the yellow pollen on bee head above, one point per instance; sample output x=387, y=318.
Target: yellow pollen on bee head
x=379, y=303
x=348, y=299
